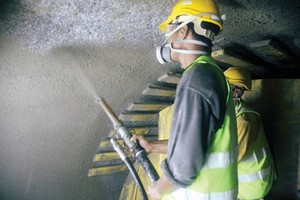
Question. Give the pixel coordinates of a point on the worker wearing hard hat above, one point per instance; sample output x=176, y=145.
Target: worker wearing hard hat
x=256, y=170
x=201, y=158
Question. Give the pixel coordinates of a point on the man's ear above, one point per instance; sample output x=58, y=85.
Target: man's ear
x=184, y=31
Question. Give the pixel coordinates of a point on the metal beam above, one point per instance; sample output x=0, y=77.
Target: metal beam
x=107, y=156
x=170, y=77
x=156, y=91
x=106, y=170
x=274, y=49
x=138, y=117
x=147, y=106
x=226, y=57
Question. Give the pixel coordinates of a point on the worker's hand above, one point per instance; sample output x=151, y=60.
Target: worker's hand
x=143, y=142
x=161, y=187
x=153, y=193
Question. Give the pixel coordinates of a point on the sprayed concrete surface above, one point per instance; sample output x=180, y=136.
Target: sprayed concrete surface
x=41, y=25
x=49, y=124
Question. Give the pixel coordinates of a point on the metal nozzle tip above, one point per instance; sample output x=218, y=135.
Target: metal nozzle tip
x=98, y=100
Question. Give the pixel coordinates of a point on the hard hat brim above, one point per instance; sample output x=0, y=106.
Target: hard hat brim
x=162, y=26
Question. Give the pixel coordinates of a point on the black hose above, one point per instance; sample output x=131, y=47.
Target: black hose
x=142, y=157
x=136, y=178
x=117, y=147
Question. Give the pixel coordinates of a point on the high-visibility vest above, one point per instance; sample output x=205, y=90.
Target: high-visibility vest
x=164, y=126
x=218, y=177
x=256, y=169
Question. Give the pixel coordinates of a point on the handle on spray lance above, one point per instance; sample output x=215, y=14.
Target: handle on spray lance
x=124, y=133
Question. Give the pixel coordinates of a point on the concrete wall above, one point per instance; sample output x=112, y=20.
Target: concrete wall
x=50, y=126
x=278, y=103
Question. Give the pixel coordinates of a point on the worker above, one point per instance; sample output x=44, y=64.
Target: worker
x=256, y=171
x=201, y=151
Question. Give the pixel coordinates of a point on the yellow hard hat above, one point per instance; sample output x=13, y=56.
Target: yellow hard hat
x=238, y=76
x=194, y=8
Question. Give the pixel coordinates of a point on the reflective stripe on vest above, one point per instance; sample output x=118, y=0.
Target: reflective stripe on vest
x=255, y=176
x=220, y=160
x=255, y=156
x=188, y=194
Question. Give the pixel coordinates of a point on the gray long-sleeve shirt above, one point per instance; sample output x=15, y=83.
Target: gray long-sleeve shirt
x=199, y=110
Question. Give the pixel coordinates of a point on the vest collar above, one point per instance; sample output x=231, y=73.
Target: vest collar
x=206, y=59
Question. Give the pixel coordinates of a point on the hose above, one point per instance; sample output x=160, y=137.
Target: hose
x=142, y=157
x=117, y=147
x=136, y=178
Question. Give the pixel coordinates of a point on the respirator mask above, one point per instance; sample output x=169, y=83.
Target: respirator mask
x=163, y=52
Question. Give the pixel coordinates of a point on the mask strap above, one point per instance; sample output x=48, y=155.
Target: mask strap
x=200, y=43
x=184, y=51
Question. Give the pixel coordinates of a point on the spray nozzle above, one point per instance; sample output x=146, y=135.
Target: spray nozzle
x=98, y=100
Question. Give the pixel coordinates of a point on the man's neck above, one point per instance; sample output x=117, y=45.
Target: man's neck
x=187, y=60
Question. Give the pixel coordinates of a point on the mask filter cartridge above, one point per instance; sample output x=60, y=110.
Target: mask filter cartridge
x=163, y=54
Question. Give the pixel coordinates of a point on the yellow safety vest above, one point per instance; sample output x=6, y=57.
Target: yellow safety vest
x=256, y=169
x=164, y=127
x=218, y=177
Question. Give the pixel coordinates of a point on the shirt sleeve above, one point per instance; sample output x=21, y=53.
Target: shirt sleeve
x=193, y=125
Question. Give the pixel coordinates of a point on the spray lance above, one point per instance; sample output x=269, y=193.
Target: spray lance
x=126, y=135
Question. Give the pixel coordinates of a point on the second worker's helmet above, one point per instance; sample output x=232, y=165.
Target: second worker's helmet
x=239, y=76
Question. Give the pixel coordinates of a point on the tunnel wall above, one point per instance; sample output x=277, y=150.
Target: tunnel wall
x=278, y=103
